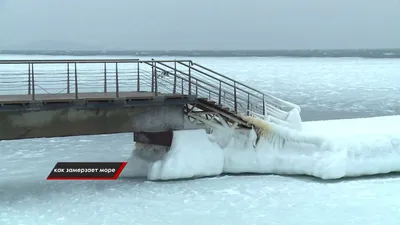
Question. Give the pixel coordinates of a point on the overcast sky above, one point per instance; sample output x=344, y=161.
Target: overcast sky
x=202, y=24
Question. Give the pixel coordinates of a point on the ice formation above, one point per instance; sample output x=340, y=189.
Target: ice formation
x=192, y=154
x=324, y=149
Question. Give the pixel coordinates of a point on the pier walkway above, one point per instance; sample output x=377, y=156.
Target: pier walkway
x=49, y=98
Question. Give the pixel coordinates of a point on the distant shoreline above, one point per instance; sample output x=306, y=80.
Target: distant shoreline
x=361, y=53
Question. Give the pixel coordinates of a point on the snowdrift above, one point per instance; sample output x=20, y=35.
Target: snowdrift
x=331, y=159
x=324, y=149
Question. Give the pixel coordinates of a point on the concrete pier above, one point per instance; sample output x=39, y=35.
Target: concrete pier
x=152, y=98
x=73, y=121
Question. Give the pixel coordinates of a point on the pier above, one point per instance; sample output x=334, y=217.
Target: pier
x=151, y=98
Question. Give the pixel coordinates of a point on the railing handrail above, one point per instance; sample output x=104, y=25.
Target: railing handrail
x=244, y=85
x=228, y=78
x=215, y=78
x=197, y=75
x=72, y=61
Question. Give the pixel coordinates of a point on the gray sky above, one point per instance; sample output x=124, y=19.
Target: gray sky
x=201, y=24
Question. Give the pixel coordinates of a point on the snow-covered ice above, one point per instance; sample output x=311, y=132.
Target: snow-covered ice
x=324, y=88
x=331, y=150
x=342, y=148
x=192, y=155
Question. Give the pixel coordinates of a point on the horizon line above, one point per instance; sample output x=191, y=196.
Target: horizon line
x=207, y=50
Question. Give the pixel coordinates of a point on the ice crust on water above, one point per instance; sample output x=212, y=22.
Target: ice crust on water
x=328, y=150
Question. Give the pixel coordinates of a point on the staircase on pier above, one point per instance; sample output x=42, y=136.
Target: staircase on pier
x=218, y=93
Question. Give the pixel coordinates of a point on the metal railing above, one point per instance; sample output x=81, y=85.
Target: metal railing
x=33, y=77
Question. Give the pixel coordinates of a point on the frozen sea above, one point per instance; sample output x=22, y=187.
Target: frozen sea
x=325, y=88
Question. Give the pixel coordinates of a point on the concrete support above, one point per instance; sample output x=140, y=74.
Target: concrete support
x=159, y=119
x=74, y=122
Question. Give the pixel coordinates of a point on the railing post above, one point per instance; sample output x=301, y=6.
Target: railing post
x=234, y=96
x=68, y=88
x=264, y=113
x=197, y=88
x=174, y=91
x=220, y=93
x=33, y=83
x=105, y=77
x=138, y=77
x=182, y=86
x=152, y=76
x=190, y=79
x=76, y=81
x=29, y=78
x=248, y=104
x=116, y=81
x=155, y=79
